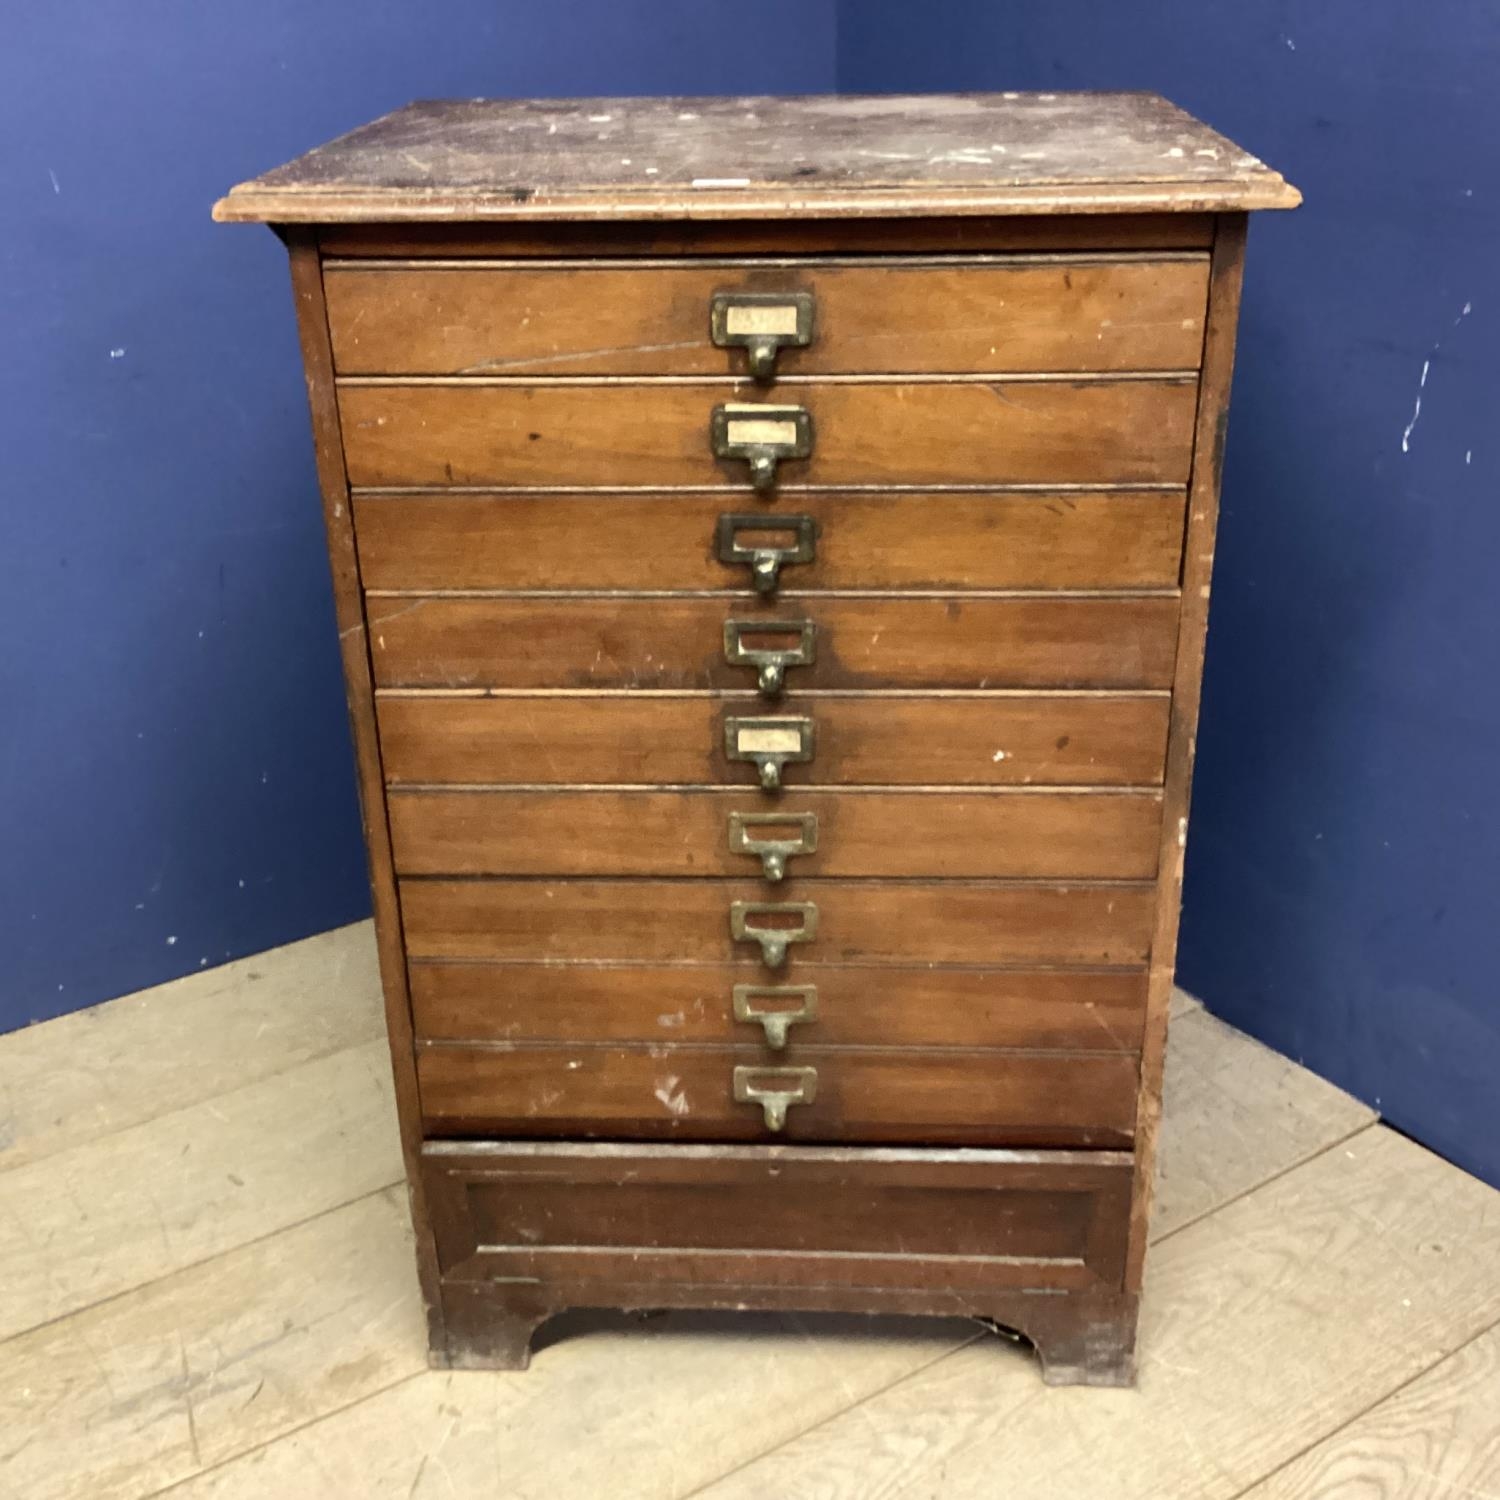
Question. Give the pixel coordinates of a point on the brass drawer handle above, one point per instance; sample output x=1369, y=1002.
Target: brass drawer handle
x=761, y=323
x=773, y=940
x=770, y=743
x=775, y=1090
x=763, y=436
x=766, y=558
x=762, y=1003
x=772, y=661
x=773, y=852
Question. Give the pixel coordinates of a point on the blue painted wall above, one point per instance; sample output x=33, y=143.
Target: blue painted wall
x=175, y=773
x=1344, y=865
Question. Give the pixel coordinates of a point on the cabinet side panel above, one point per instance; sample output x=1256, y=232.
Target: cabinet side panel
x=317, y=358
x=1197, y=569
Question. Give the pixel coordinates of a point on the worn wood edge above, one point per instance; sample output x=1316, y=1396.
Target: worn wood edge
x=1197, y=568
x=317, y=355
x=1150, y=233
x=812, y=260
x=248, y=203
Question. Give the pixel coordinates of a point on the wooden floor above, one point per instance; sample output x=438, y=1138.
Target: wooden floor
x=206, y=1289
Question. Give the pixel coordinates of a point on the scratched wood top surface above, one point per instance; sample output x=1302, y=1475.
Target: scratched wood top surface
x=814, y=156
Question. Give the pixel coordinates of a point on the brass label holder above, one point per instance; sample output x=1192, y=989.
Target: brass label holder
x=775, y=1090
x=763, y=436
x=773, y=852
x=769, y=742
x=763, y=324
x=765, y=559
x=776, y=1007
x=771, y=662
x=774, y=941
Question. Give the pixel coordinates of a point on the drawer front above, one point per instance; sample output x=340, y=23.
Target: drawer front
x=810, y=1094
x=440, y=641
x=1094, y=1010
x=1059, y=313
x=1064, y=540
x=1066, y=835
x=768, y=1215
x=1038, y=431
x=637, y=739
x=677, y=921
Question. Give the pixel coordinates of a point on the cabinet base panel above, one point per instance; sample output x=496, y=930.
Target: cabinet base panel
x=1079, y=1338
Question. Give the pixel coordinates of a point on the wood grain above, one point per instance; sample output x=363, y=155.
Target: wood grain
x=662, y=921
x=927, y=834
x=86, y=1075
x=1435, y=1439
x=1037, y=431
x=864, y=1095
x=756, y=157
x=102, y=1217
x=1064, y=1010
x=1094, y=642
x=1045, y=540
x=635, y=739
x=1267, y=1116
x=153, y=1386
x=474, y=318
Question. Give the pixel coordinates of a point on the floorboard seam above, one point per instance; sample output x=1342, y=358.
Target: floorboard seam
x=207, y=1260
x=1364, y=1411
x=166, y=1114
x=291, y=1432
x=1276, y=1176
x=832, y=1416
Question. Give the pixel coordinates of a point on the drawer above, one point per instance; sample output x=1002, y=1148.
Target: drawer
x=1066, y=835
x=637, y=738
x=1098, y=1010
x=807, y=1094
x=766, y=1215
x=1055, y=313
x=688, y=921
x=1062, y=1010
x=1094, y=642
x=1043, y=431
x=1065, y=540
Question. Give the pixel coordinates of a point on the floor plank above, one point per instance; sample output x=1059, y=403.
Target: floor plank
x=653, y=1409
x=1436, y=1439
x=842, y=1371
x=146, y=1389
x=1263, y=1115
x=98, y=1219
x=1182, y=1003
x=112, y=1066
x=1266, y=1325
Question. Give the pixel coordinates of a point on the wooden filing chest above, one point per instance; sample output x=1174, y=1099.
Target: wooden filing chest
x=771, y=540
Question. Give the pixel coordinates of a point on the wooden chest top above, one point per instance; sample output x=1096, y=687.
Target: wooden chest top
x=815, y=156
